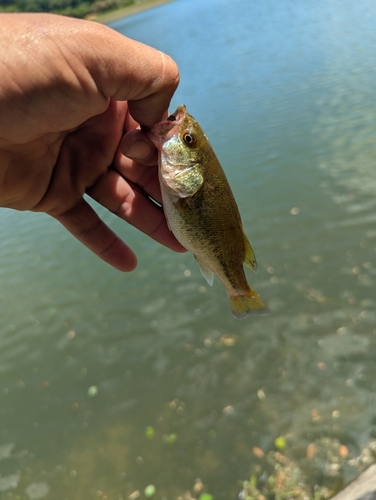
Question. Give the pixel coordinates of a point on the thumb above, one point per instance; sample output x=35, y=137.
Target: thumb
x=74, y=67
x=124, y=69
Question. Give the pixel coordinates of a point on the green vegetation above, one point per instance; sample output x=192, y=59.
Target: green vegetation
x=323, y=472
x=75, y=8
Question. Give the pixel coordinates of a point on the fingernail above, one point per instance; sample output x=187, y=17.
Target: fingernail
x=139, y=150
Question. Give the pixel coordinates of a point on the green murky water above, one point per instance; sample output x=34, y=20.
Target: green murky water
x=112, y=382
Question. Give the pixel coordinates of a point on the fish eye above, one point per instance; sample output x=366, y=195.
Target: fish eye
x=188, y=139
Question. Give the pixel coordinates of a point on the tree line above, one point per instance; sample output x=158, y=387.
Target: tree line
x=74, y=8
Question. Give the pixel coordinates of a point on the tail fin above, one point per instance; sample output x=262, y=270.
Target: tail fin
x=247, y=303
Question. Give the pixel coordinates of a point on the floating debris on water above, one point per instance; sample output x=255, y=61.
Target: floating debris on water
x=295, y=211
x=258, y=452
x=170, y=438
x=9, y=482
x=280, y=443
x=149, y=490
x=134, y=495
x=280, y=477
x=92, y=391
x=37, y=491
x=6, y=450
x=198, y=486
x=149, y=432
x=261, y=394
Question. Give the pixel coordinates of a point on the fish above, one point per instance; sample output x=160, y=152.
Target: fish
x=201, y=210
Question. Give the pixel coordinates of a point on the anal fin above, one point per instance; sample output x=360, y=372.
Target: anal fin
x=207, y=273
x=250, y=257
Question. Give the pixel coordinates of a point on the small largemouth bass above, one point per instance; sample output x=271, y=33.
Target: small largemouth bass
x=201, y=210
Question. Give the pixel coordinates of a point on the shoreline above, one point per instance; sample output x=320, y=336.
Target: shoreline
x=114, y=15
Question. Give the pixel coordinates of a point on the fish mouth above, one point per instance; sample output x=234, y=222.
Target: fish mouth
x=166, y=129
x=178, y=115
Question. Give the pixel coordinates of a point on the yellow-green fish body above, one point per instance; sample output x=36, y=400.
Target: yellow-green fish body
x=201, y=210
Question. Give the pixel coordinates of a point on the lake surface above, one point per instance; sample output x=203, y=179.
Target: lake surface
x=111, y=382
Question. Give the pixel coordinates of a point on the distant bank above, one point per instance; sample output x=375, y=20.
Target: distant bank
x=103, y=11
x=113, y=15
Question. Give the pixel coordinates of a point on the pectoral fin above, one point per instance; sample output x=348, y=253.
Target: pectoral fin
x=185, y=182
x=207, y=273
x=250, y=258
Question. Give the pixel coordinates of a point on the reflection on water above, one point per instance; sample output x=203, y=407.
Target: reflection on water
x=114, y=382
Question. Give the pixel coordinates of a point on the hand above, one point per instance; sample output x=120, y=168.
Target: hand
x=69, y=90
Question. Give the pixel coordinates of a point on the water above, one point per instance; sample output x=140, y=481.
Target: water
x=111, y=382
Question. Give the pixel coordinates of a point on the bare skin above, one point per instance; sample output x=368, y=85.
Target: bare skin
x=72, y=94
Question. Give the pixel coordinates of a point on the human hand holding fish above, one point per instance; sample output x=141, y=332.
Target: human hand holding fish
x=69, y=90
